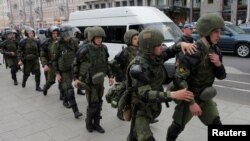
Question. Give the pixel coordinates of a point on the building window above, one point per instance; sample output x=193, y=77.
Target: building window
x=210, y=1
x=103, y=5
x=132, y=3
x=90, y=6
x=139, y=2
x=79, y=8
x=124, y=3
x=185, y=3
x=149, y=2
x=97, y=6
x=117, y=4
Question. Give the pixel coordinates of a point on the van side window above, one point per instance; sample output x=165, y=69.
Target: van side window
x=139, y=28
x=115, y=34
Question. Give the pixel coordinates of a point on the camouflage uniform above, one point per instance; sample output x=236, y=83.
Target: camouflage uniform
x=90, y=67
x=145, y=77
x=119, y=67
x=47, y=56
x=64, y=57
x=28, y=53
x=197, y=73
x=8, y=46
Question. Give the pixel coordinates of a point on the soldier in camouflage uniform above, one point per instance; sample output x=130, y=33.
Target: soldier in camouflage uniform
x=9, y=50
x=197, y=73
x=119, y=67
x=64, y=57
x=85, y=36
x=90, y=68
x=28, y=56
x=145, y=77
x=77, y=36
x=187, y=34
x=47, y=58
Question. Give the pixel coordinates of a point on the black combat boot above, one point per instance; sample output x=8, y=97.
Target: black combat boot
x=13, y=74
x=89, y=119
x=25, y=78
x=97, y=119
x=37, y=78
x=79, y=92
x=173, y=131
x=61, y=97
x=45, y=89
x=66, y=103
x=76, y=111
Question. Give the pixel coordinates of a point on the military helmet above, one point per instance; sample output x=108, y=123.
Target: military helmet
x=27, y=30
x=207, y=23
x=85, y=33
x=96, y=32
x=149, y=39
x=129, y=35
x=66, y=31
x=77, y=32
x=52, y=29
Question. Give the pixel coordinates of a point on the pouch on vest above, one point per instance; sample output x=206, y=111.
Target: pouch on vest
x=98, y=78
x=208, y=93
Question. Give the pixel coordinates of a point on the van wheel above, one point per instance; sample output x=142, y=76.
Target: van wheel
x=243, y=50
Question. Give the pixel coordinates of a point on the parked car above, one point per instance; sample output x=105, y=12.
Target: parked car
x=233, y=39
x=245, y=27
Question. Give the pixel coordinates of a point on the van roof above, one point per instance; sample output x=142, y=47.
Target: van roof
x=117, y=16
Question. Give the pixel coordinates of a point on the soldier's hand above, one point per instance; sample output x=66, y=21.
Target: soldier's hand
x=111, y=81
x=46, y=68
x=195, y=109
x=12, y=53
x=215, y=59
x=20, y=63
x=58, y=77
x=183, y=94
x=188, y=48
x=76, y=83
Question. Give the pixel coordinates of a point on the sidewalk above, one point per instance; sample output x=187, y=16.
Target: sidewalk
x=27, y=115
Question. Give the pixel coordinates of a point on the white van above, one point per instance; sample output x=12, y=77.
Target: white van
x=116, y=21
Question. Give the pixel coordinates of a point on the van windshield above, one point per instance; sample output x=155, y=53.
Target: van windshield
x=169, y=29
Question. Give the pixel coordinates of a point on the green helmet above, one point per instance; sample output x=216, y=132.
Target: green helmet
x=129, y=35
x=149, y=39
x=207, y=23
x=95, y=32
x=85, y=33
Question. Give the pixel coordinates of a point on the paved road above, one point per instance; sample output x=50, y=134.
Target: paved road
x=27, y=115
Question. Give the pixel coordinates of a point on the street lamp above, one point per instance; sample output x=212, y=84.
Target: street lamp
x=31, y=15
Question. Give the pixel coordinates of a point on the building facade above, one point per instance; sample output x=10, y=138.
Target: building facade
x=42, y=13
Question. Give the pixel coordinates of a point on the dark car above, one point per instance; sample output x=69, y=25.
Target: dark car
x=233, y=39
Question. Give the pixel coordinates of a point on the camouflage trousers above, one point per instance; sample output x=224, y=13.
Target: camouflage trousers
x=31, y=67
x=182, y=114
x=144, y=116
x=94, y=94
x=66, y=82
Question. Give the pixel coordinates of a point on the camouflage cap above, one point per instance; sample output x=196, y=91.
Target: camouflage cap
x=129, y=35
x=207, y=23
x=149, y=39
x=96, y=32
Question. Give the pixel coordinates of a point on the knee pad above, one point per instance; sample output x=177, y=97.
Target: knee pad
x=217, y=121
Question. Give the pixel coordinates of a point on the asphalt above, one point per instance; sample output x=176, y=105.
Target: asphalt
x=27, y=115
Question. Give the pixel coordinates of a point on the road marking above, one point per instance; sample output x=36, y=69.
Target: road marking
x=233, y=70
x=246, y=83
x=237, y=89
